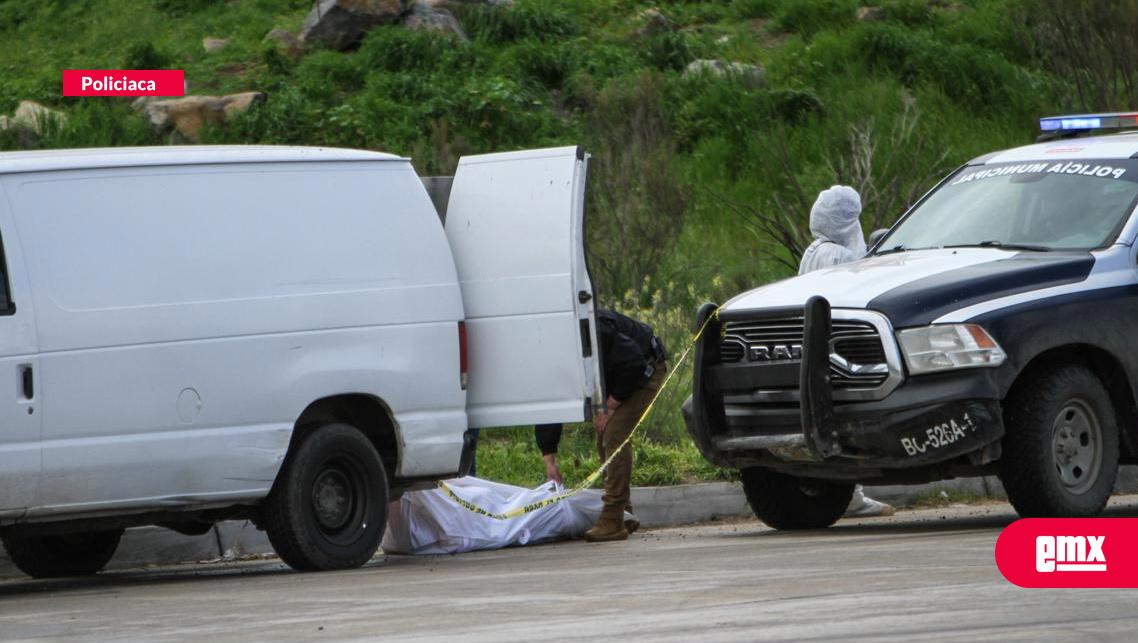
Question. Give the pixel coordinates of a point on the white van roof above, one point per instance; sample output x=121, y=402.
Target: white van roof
x=103, y=157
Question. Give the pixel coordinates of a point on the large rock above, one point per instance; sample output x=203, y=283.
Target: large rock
x=286, y=42
x=751, y=76
x=446, y=4
x=653, y=22
x=213, y=45
x=434, y=18
x=32, y=116
x=870, y=14
x=340, y=24
x=188, y=115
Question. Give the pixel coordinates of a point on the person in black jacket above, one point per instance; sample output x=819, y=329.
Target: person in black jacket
x=635, y=365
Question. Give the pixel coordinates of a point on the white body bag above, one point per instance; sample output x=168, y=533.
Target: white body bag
x=430, y=522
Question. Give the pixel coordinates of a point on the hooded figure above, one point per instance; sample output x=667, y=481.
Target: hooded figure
x=836, y=225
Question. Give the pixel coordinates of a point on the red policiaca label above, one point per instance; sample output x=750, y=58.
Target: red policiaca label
x=1070, y=552
x=124, y=82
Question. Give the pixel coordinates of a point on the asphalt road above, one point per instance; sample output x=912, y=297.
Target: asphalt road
x=921, y=574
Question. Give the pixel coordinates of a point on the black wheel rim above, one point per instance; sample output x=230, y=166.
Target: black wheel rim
x=340, y=500
x=811, y=489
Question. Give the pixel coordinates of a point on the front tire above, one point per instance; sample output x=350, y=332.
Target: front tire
x=328, y=507
x=787, y=502
x=1060, y=449
x=56, y=556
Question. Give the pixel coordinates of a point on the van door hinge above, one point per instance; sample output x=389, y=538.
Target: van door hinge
x=584, y=297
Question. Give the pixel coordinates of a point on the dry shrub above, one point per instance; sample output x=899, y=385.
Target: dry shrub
x=1091, y=44
x=439, y=155
x=890, y=170
x=890, y=167
x=636, y=199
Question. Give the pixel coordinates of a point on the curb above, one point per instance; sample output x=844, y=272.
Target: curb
x=688, y=503
x=147, y=546
x=655, y=507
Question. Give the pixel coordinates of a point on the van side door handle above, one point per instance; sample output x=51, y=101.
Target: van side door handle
x=27, y=381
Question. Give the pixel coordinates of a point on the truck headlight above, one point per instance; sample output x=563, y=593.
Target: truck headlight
x=944, y=347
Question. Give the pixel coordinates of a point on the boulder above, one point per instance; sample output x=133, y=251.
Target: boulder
x=188, y=115
x=214, y=45
x=286, y=42
x=340, y=24
x=653, y=22
x=32, y=116
x=424, y=16
x=446, y=4
x=751, y=76
x=870, y=14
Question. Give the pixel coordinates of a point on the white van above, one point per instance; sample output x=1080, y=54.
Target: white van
x=282, y=334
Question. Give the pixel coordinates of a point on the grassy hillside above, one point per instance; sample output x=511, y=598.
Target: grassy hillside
x=887, y=97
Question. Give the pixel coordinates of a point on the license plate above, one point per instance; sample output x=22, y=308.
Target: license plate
x=939, y=435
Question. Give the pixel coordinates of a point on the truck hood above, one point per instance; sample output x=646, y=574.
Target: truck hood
x=916, y=287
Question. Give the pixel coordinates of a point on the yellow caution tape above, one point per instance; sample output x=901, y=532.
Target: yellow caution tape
x=594, y=476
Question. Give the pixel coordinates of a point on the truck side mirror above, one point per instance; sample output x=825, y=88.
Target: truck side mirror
x=876, y=235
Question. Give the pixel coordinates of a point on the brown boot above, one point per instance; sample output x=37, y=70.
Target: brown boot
x=631, y=525
x=609, y=527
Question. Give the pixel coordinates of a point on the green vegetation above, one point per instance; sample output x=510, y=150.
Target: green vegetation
x=886, y=97
x=509, y=455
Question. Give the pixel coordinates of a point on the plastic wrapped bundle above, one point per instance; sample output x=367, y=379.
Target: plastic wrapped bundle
x=429, y=522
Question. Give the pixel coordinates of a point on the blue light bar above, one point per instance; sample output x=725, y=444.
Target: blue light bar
x=1083, y=122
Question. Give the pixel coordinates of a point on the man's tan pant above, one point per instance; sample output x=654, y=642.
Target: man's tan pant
x=623, y=420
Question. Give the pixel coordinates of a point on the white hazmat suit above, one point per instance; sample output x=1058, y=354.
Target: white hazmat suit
x=835, y=221
x=836, y=225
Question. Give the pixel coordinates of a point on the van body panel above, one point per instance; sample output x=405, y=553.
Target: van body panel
x=140, y=256
x=19, y=413
x=187, y=322
x=178, y=309
x=515, y=225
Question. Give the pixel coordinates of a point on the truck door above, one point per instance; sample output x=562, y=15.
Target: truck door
x=516, y=226
x=20, y=412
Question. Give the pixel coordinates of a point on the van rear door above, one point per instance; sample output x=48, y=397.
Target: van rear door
x=516, y=225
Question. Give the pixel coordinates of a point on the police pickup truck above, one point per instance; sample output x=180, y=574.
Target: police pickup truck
x=992, y=330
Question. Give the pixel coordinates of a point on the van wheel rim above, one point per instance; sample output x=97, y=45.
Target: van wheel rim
x=1076, y=444
x=339, y=500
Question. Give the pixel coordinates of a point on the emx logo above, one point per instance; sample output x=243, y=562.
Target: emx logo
x=1069, y=552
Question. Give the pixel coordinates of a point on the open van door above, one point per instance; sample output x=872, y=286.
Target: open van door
x=516, y=225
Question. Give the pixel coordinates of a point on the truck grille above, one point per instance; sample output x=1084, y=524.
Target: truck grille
x=857, y=358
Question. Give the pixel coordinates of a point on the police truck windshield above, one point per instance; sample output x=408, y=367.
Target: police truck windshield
x=1054, y=205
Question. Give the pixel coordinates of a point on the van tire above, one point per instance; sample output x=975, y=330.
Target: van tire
x=1060, y=425
x=328, y=507
x=788, y=502
x=59, y=555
